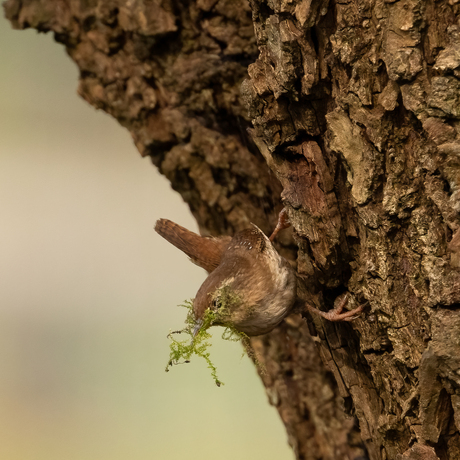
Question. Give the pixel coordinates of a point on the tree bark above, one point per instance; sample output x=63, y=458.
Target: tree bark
x=355, y=113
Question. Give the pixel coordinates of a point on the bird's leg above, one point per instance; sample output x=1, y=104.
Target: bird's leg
x=336, y=313
x=283, y=222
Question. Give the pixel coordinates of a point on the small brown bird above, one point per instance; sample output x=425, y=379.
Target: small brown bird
x=256, y=287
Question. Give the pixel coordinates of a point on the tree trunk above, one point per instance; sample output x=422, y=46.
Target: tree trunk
x=355, y=108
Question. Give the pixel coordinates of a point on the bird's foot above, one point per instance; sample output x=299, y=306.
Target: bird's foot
x=283, y=222
x=336, y=313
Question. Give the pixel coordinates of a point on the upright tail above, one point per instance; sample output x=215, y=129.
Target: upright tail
x=204, y=251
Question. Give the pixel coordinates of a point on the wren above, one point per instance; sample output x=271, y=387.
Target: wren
x=262, y=284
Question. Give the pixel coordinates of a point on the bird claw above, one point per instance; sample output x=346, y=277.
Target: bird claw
x=336, y=313
x=283, y=222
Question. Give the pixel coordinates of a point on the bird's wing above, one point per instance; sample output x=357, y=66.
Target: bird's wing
x=250, y=239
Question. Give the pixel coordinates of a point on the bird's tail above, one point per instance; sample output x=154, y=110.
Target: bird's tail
x=203, y=251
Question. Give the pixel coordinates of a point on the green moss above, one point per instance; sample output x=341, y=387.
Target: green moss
x=226, y=300
x=181, y=351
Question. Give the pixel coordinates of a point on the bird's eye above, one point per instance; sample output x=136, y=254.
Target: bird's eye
x=216, y=303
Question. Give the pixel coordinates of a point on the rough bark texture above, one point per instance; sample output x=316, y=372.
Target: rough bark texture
x=355, y=107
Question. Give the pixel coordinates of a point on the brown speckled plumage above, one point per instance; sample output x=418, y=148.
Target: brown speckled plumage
x=257, y=275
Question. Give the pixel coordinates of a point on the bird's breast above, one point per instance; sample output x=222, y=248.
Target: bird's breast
x=267, y=297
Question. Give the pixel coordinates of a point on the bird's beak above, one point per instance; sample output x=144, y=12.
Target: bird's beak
x=197, y=327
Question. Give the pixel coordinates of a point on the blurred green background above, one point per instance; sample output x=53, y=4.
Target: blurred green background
x=88, y=291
